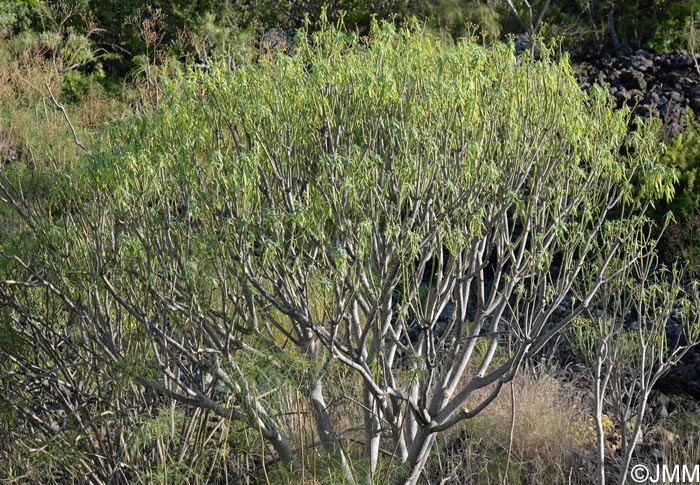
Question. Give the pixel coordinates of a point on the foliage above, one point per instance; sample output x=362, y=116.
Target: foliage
x=197, y=29
x=271, y=224
x=662, y=26
x=683, y=154
x=19, y=15
x=671, y=30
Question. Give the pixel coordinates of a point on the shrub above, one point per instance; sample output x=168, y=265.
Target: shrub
x=645, y=324
x=18, y=15
x=671, y=25
x=396, y=209
x=683, y=154
x=662, y=25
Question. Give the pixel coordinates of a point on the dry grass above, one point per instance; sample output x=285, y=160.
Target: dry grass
x=28, y=117
x=550, y=436
x=677, y=437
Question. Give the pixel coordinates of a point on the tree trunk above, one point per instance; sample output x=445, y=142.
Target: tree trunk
x=629, y=449
x=372, y=433
x=324, y=427
x=614, y=41
x=418, y=454
x=599, y=431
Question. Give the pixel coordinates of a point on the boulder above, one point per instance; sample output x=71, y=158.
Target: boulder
x=633, y=79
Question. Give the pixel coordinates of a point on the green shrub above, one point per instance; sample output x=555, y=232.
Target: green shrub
x=654, y=24
x=670, y=27
x=18, y=15
x=260, y=224
x=683, y=154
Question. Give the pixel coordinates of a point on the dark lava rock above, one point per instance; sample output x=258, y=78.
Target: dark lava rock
x=666, y=84
x=684, y=378
x=633, y=79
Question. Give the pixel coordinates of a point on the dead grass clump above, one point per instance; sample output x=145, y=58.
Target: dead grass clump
x=550, y=436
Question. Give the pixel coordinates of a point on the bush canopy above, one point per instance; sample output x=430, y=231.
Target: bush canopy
x=406, y=214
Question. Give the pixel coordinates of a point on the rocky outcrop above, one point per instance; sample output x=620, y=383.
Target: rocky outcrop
x=667, y=84
x=683, y=378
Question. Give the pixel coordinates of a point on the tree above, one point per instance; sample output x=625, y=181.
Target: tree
x=533, y=20
x=393, y=209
